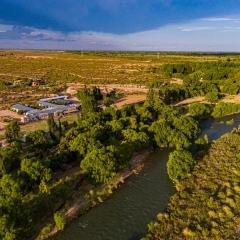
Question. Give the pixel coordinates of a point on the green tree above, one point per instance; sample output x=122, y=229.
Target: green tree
x=97, y=94
x=100, y=164
x=143, y=113
x=52, y=126
x=39, y=139
x=221, y=109
x=200, y=111
x=179, y=164
x=212, y=97
x=9, y=159
x=107, y=101
x=116, y=126
x=153, y=98
x=88, y=101
x=14, y=215
x=162, y=131
x=35, y=170
x=178, y=140
x=139, y=140
x=84, y=143
x=12, y=132
x=187, y=125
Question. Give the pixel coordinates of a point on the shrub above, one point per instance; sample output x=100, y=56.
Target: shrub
x=200, y=110
x=222, y=109
x=212, y=97
x=180, y=163
x=59, y=220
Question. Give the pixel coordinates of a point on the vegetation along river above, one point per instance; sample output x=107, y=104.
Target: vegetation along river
x=126, y=214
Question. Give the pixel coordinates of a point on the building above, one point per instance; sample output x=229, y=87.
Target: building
x=46, y=104
x=51, y=107
x=37, y=83
x=44, y=113
x=21, y=108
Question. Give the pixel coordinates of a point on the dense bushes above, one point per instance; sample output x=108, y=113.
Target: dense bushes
x=202, y=70
x=207, y=203
x=173, y=93
x=177, y=133
x=205, y=78
x=200, y=111
x=212, y=97
x=101, y=164
x=222, y=109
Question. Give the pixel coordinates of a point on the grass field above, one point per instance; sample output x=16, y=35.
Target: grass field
x=56, y=69
x=40, y=125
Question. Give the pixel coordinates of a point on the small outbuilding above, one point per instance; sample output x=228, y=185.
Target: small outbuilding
x=37, y=83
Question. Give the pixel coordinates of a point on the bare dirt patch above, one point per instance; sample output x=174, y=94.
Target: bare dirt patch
x=176, y=81
x=10, y=114
x=232, y=99
x=130, y=99
x=73, y=88
x=7, y=115
x=2, y=125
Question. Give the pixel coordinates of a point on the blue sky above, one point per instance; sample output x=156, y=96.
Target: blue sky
x=175, y=25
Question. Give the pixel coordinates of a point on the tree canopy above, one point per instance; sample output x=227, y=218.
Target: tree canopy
x=180, y=163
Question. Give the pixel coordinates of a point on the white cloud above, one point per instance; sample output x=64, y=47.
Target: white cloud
x=231, y=29
x=221, y=19
x=46, y=34
x=5, y=28
x=195, y=28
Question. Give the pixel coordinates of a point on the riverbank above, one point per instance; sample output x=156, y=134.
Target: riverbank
x=96, y=195
x=206, y=205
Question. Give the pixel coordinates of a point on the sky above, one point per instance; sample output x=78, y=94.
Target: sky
x=135, y=25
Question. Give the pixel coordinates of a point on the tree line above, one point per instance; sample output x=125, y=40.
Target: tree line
x=210, y=79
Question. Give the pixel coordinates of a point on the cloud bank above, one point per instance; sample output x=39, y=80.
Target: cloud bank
x=197, y=35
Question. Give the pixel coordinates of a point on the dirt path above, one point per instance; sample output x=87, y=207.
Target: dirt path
x=190, y=101
x=232, y=99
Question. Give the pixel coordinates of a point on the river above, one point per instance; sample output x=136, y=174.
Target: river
x=136, y=203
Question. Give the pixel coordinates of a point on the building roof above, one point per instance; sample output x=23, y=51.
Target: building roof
x=36, y=113
x=52, y=98
x=47, y=104
x=21, y=107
